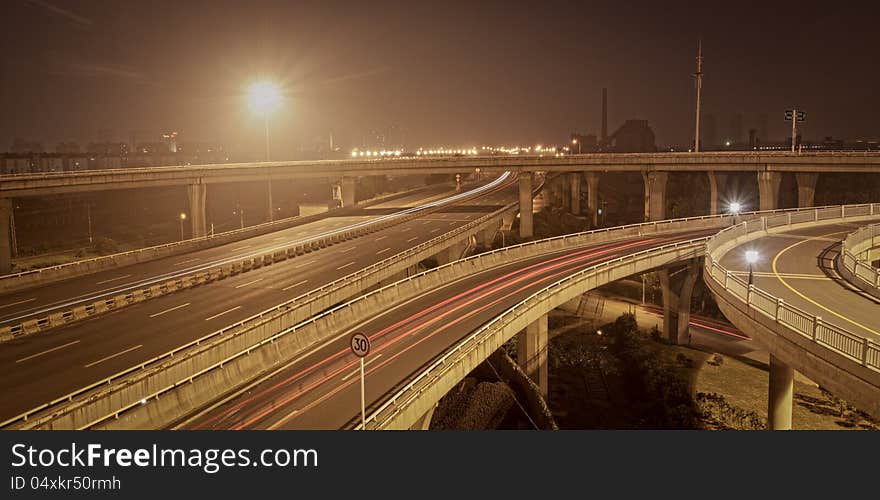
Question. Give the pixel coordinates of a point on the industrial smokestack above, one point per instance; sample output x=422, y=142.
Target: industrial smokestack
x=604, y=115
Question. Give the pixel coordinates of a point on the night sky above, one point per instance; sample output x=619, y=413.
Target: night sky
x=453, y=73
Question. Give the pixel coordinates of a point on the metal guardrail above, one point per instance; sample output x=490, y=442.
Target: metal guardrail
x=841, y=341
x=216, y=271
x=472, y=343
x=241, y=327
x=254, y=321
x=226, y=236
x=859, y=271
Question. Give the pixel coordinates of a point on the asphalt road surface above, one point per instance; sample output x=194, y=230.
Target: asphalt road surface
x=798, y=267
x=40, y=301
x=41, y=367
x=321, y=390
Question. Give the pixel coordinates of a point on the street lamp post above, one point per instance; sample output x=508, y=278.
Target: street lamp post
x=182, y=218
x=575, y=141
x=751, y=258
x=264, y=97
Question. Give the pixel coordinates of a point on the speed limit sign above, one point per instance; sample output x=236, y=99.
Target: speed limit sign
x=360, y=344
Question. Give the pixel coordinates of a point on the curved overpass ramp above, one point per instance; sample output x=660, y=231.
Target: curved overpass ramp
x=811, y=320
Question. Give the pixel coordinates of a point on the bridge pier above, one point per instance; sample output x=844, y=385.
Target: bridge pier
x=768, y=190
x=196, y=194
x=716, y=180
x=348, y=191
x=806, y=184
x=677, y=289
x=531, y=352
x=655, y=195
x=592, y=179
x=5, y=235
x=526, y=227
x=486, y=237
x=574, y=190
x=451, y=254
x=271, y=204
x=780, y=396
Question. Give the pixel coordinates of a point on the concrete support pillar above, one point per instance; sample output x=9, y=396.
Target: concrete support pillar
x=781, y=392
x=5, y=236
x=526, y=228
x=655, y=195
x=806, y=184
x=486, y=237
x=677, y=288
x=451, y=254
x=717, y=182
x=271, y=204
x=348, y=191
x=592, y=179
x=424, y=422
x=531, y=352
x=768, y=190
x=574, y=190
x=196, y=193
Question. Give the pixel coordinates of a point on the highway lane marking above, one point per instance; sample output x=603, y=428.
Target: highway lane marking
x=343, y=267
x=280, y=238
x=19, y=302
x=804, y=237
x=239, y=248
x=435, y=230
x=120, y=353
x=169, y=310
x=412, y=239
x=47, y=351
x=406, y=229
x=113, y=279
x=303, y=282
x=380, y=238
x=349, y=249
x=785, y=275
x=801, y=295
x=383, y=251
x=186, y=261
x=249, y=283
x=221, y=314
x=427, y=222
x=358, y=369
x=305, y=264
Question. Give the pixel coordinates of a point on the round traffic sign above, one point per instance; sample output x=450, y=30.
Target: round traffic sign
x=360, y=344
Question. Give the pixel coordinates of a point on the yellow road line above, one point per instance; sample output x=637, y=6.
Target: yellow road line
x=801, y=295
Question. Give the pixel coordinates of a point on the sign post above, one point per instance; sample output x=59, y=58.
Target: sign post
x=360, y=346
x=794, y=116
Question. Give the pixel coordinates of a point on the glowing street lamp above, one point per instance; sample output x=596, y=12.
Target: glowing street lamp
x=264, y=97
x=182, y=218
x=575, y=141
x=735, y=208
x=751, y=258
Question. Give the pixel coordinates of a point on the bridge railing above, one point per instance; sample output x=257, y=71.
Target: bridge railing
x=94, y=264
x=302, y=306
x=853, y=263
x=855, y=347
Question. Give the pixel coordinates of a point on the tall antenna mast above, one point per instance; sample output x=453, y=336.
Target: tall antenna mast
x=699, y=76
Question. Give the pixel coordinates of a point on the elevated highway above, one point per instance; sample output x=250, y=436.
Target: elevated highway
x=85, y=353
x=654, y=168
x=797, y=304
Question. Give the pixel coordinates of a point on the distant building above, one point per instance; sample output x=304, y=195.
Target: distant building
x=583, y=143
x=709, y=134
x=107, y=148
x=67, y=148
x=634, y=136
x=21, y=146
x=735, y=133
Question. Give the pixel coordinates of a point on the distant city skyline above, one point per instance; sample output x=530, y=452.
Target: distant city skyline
x=97, y=71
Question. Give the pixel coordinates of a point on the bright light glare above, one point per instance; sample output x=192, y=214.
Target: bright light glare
x=264, y=96
x=735, y=207
x=182, y=216
x=751, y=256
